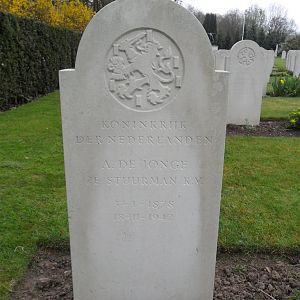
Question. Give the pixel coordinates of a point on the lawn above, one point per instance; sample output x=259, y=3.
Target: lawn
x=278, y=107
x=279, y=64
x=260, y=205
x=260, y=198
x=32, y=188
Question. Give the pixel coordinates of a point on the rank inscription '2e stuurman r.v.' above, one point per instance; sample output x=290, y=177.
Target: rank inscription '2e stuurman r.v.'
x=144, y=70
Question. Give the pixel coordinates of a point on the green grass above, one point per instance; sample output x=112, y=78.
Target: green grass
x=279, y=64
x=260, y=200
x=32, y=188
x=278, y=107
x=260, y=207
x=295, y=295
x=279, y=70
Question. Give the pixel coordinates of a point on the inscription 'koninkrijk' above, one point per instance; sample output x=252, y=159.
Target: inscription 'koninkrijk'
x=144, y=70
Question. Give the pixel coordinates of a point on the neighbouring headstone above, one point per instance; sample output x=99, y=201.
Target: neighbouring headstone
x=291, y=60
x=214, y=48
x=143, y=117
x=221, y=58
x=265, y=70
x=269, y=58
x=245, y=83
x=283, y=55
x=296, y=71
x=287, y=61
x=275, y=53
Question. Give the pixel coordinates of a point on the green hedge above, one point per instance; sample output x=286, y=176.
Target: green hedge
x=31, y=54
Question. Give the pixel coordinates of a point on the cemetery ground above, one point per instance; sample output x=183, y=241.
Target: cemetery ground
x=278, y=108
x=279, y=65
x=260, y=210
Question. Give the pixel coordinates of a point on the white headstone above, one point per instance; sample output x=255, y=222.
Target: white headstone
x=214, y=48
x=269, y=63
x=291, y=60
x=221, y=59
x=296, y=71
x=287, y=61
x=265, y=75
x=245, y=83
x=275, y=53
x=283, y=55
x=143, y=127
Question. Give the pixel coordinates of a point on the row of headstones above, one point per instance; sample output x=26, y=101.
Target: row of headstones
x=250, y=67
x=293, y=61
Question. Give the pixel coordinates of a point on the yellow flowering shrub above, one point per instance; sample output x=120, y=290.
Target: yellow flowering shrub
x=20, y=7
x=294, y=119
x=72, y=14
x=4, y=5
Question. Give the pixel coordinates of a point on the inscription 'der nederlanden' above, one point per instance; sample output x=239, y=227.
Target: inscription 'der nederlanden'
x=160, y=133
x=144, y=70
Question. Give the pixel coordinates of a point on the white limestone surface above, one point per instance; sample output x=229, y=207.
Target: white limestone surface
x=288, y=55
x=291, y=60
x=296, y=71
x=245, y=83
x=275, y=53
x=144, y=118
x=221, y=59
x=269, y=63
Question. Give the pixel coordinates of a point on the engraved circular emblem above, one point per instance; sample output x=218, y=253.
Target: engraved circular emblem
x=144, y=70
x=246, y=56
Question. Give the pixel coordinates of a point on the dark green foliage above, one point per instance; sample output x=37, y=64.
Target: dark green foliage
x=220, y=41
x=237, y=37
x=250, y=33
x=293, y=43
x=261, y=37
x=227, y=42
x=210, y=26
x=31, y=54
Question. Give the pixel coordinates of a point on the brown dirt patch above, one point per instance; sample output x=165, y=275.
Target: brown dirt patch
x=238, y=277
x=265, y=128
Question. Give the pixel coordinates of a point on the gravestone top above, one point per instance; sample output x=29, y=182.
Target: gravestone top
x=283, y=54
x=143, y=116
x=245, y=54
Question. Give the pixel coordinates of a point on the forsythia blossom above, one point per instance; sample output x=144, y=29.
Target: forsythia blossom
x=73, y=14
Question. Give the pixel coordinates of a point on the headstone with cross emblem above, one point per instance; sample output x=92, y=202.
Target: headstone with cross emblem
x=247, y=77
